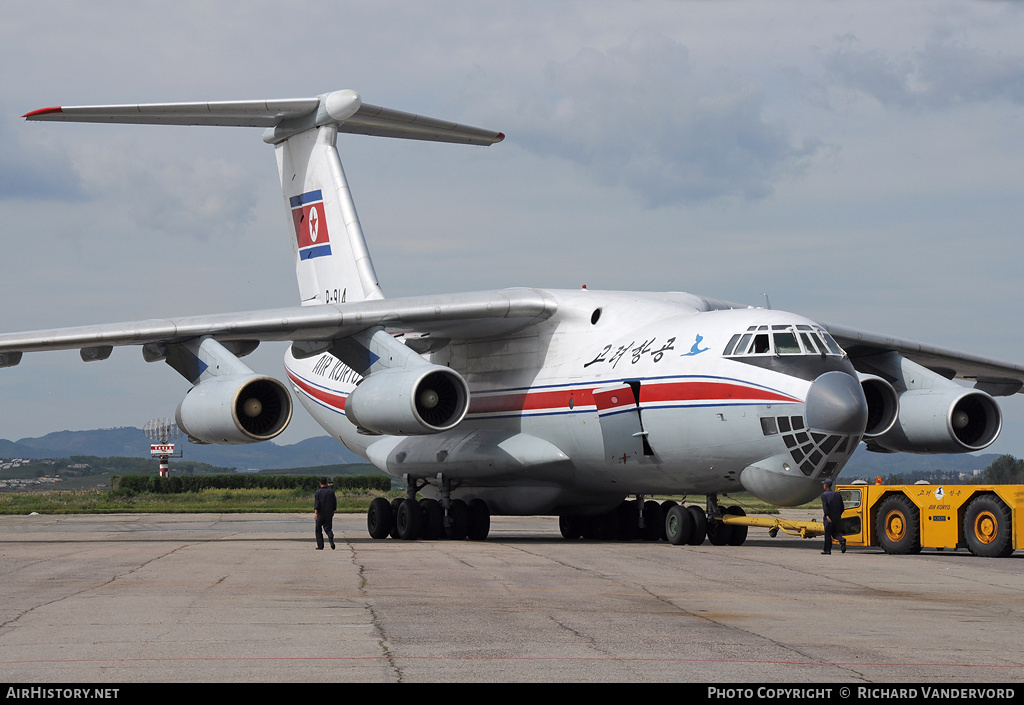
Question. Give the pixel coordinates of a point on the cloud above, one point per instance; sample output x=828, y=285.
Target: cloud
x=145, y=183
x=33, y=170
x=639, y=115
x=184, y=193
x=942, y=74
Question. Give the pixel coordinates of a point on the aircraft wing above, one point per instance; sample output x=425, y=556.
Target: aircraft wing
x=281, y=117
x=311, y=328
x=992, y=376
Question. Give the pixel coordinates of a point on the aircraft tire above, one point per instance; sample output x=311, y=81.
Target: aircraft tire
x=739, y=533
x=654, y=521
x=898, y=526
x=458, y=528
x=395, y=504
x=603, y=527
x=988, y=527
x=588, y=527
x=611, y=526
x=700, y=526
x=719, y=533
x=479, y=520
x=628, y=522
x=433, y=519
x=571, y=528
x=409, y=520
x=678, y=525
x=665, y=506
x=379, y=519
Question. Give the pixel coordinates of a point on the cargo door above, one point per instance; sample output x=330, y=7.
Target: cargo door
x=621, y=427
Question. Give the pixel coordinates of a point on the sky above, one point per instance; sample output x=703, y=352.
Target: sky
x=861, y=163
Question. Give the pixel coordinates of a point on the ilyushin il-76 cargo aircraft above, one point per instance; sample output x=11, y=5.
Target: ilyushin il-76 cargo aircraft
x=577, y=403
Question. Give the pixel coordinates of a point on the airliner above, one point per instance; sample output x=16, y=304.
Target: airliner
x=580, y=404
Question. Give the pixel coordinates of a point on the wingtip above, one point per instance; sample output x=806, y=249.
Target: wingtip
x=42, y=111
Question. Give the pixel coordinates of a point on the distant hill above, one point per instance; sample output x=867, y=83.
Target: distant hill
x=867, y=465
x=132, y=443
x=324, y=450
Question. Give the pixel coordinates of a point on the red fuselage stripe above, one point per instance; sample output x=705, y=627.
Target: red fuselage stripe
x=684, y=392
x=679, y=392
x=335, y=401
x=708, y=391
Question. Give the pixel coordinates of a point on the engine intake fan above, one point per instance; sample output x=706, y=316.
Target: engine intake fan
x=409, y=401
x=235, y=410
x=943, y=421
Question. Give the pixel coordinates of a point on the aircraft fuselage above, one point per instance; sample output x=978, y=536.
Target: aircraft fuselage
x=621, y=394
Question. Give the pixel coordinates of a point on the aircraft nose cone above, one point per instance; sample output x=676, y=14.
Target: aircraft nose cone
x=836, y=403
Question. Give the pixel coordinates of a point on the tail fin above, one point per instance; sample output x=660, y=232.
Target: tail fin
x=332, y=262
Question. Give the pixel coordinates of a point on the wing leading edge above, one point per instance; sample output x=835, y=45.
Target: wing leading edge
x=310, y=328
x=992, y=376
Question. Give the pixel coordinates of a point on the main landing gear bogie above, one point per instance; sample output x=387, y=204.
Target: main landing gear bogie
x=650, y=521
x=430, y=519
x=411, y=519
x=647, y=520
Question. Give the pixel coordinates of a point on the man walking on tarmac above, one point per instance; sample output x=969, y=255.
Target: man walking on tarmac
x=325, y=503
x=832, y=507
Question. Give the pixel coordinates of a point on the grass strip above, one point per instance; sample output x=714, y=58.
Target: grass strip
x=242, y=501
x=213, y=500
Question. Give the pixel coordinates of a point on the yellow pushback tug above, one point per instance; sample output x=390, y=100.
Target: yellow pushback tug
x=986, y=519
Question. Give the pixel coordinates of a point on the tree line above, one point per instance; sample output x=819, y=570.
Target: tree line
x=1004, y=470
x=176, y=484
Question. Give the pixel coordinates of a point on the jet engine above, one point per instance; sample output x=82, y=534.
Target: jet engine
x=409, y=401
x=942, y=420
x=934, y=414
x=883, y=405
x=235, y=409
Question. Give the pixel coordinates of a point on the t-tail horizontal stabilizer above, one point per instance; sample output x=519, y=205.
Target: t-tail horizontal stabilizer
x=284, y=118
x=332, y=262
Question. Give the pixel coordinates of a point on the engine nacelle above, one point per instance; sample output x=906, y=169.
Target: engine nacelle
x=235, y=409
x=943, y=420
x=409, y=401
x=883, y=405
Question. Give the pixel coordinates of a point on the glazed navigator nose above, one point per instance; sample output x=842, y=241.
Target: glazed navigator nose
x=836, y=404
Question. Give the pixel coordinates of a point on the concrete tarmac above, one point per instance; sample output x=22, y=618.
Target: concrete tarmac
x=246, y=598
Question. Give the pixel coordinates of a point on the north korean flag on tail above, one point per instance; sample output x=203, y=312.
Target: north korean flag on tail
x=310, y=225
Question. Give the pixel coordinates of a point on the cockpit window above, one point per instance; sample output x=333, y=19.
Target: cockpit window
x=760, y=346
x=783, y=339
x=809, y=344
x=833, y=346
x=741, y=346
x=786, y=344
x=732, y=344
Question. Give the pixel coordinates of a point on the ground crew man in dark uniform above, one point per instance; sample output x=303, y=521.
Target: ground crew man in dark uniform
x=832, y=507
x=325, y=503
